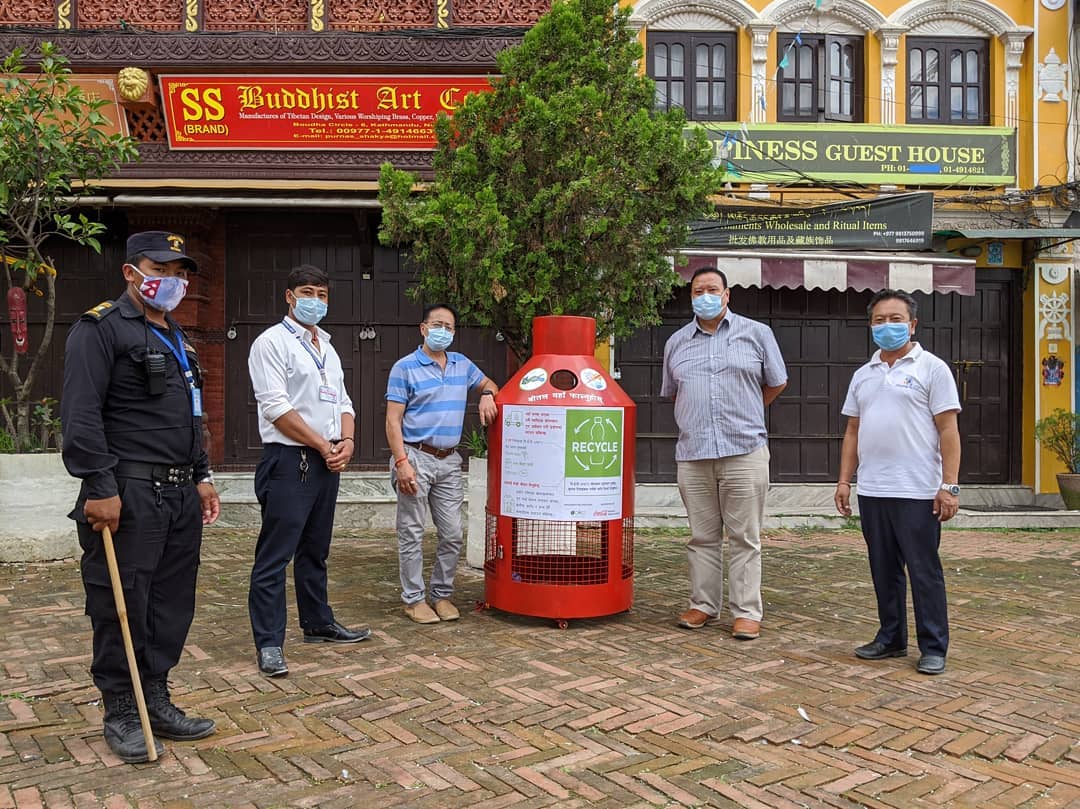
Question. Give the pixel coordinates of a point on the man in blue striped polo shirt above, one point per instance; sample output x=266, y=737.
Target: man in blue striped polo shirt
x=723, y=370
x=425, y=410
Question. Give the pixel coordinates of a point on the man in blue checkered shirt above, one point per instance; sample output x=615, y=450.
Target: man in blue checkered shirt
x=425, y=409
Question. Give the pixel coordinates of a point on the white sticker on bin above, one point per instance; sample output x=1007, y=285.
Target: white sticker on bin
x=593, y=379
x=533, y=379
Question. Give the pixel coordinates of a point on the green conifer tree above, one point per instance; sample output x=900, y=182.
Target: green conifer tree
x=563, y=191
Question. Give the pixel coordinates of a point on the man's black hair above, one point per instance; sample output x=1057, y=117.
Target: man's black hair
x=893, y=294
x=429, y=309
x=713, y=270
x=307, y=275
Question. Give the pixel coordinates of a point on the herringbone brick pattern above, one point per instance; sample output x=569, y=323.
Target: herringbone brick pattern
x=498, y=710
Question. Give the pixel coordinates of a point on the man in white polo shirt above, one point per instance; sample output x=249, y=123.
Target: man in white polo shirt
x=903, y=436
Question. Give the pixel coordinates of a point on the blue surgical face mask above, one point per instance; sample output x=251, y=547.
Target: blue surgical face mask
x=708, y=306
x=309, y=311
x=891, y=336
x=439, y=339
x=162, y=292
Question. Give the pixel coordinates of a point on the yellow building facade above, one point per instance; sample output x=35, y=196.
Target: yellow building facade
x=810, y=102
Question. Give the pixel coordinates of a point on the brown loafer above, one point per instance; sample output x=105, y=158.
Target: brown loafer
x=695, y=619
x=446, y=610
x=746, y=629
x=421, y=613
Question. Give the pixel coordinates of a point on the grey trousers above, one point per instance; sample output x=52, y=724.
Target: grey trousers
x=440, y=488
x=726, y=493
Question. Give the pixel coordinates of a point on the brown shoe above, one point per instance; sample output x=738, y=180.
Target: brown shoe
x=695, y=619
x=421, y=613
x=446, y=611
x=745, y=629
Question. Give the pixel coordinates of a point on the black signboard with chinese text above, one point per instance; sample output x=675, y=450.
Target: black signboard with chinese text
x=897, y=222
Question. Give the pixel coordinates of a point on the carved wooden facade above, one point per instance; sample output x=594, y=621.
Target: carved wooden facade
x=333, y=36
x=269, y=16
x=234, y=201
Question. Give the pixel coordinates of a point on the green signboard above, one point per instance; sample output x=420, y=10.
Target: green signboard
x=958, y=156
x=593, y=443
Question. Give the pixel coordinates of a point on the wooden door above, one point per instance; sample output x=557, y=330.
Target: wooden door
x=372, y=319
x=261, y=250
x=824, y=337
x=979, y=337
x=84, y=279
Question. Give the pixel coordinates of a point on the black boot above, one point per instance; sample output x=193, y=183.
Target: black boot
x=123, y=730
x=167, y=720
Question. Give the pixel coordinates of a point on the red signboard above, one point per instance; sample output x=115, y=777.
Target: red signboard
x=310, y=112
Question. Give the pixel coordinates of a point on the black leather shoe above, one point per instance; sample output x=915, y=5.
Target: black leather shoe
x=272, y=661
x=879, y=651
x=336, y=633
x=931, y=664
x=168, y=721
x=123, y=730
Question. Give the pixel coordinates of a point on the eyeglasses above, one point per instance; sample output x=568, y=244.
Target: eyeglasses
x=436, y=324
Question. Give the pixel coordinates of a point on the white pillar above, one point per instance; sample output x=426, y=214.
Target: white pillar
x=1014, y=60
x=890, y=45
x=760, y=31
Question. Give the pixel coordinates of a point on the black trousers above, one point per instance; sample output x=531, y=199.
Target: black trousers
x=901, y=534
x=297, y=523
x=157, y=553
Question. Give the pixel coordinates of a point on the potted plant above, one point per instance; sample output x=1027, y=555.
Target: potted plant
x=55, y=141
x=1060, y=434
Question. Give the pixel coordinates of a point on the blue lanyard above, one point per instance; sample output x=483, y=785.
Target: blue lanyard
x=180, y=353
x=311, y=351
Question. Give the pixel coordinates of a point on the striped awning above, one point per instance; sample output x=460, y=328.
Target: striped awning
x=910, y=272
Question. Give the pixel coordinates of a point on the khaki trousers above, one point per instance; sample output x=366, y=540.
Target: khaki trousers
x=726, y=493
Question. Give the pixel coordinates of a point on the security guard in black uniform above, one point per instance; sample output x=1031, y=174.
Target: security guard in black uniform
x=132, y=416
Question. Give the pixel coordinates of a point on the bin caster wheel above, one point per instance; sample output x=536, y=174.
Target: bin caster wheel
x=562, y=623
x=480, y=606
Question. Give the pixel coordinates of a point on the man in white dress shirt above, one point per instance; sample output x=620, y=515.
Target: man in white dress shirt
x=306, y=421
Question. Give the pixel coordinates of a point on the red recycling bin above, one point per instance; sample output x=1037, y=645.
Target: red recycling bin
x=560, y=499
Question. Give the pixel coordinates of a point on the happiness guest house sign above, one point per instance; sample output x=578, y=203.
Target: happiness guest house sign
x=310, y=112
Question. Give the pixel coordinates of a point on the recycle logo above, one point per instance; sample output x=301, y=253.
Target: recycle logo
x=593, y=443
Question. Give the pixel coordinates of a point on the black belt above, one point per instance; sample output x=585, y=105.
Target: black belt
x=430, y=450
x=165, y=475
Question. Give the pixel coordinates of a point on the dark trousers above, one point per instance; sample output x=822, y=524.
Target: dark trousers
x=903, y=534
x=297, y=523
x=157, y=553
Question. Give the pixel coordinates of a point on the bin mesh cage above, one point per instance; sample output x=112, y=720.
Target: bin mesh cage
x=491, y=541
x=556, y=552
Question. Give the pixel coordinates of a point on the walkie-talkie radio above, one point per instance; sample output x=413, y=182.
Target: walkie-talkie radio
x=154, y=363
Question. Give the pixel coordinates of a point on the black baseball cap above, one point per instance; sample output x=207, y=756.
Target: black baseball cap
x=161, y=246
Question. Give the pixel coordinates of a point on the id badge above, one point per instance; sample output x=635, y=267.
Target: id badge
x=327, y=394
x=196, y=402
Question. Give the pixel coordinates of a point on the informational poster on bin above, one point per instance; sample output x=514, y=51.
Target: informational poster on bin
x=562, y=463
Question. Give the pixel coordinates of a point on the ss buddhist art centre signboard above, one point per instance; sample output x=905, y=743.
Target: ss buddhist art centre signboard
x=866, y=153
x=310, y=112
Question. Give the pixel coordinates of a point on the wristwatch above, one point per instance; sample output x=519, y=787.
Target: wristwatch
x=488, y=392
x=951, y=488
x=209, y=478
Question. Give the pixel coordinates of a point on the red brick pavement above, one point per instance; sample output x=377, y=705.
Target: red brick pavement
x=498, y=710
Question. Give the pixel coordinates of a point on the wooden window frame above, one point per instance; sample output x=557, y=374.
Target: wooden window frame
x=820, y=76
x=945, y=46
x=690, y=41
